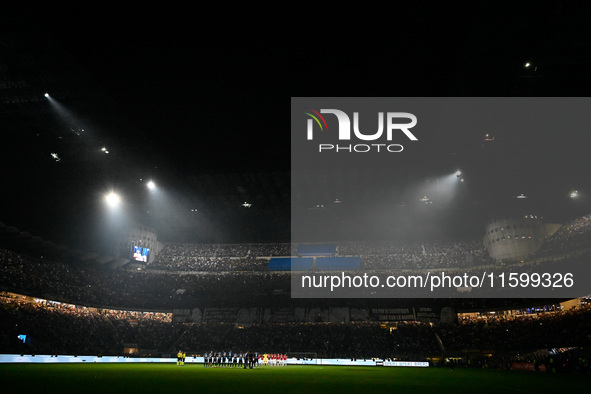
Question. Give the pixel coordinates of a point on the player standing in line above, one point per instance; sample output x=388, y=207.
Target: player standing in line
x=179, y=357
x=183, y=359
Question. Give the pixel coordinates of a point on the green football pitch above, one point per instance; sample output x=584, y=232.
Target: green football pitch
x=194, y=378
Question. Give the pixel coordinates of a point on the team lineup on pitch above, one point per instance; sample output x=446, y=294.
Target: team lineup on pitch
x=248, y=360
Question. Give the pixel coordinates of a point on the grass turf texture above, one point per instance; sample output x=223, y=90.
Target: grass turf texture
x=160, y=378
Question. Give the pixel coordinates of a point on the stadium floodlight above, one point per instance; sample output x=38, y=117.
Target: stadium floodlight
x=246, y=205
x=574, y=194
x=527, y=65
x=458, y=173
x=151, y=185
x=46, y=95
x=112, y=199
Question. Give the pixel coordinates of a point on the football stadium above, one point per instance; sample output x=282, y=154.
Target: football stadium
x=159, y=231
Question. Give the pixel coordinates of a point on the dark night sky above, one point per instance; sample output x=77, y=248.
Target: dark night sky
x=204, y=92
x=191, y=91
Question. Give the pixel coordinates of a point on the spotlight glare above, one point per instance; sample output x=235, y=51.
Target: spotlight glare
x=151, y=185
x=112, y=199
x=46, y=95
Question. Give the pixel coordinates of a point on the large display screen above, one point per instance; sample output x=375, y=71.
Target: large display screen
x=140, y=254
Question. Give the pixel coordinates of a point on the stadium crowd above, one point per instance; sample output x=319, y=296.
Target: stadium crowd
x=166, y=290
x=384, y=256
x=374, y=255
x=59, y=329
x=236, y=275
x=574, y=235
x=102, y=287
x=218, y=258
x=544, y=330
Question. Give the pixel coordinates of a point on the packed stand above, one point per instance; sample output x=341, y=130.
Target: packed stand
x=573, y=236
x=218, y=258
x=87, y=331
